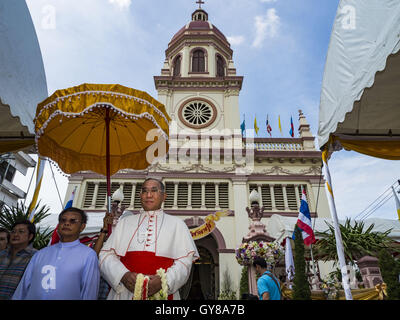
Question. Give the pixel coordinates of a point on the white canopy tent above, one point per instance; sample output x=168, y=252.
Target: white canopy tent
x=22, y=76
x=360, y=96
x=281, y=227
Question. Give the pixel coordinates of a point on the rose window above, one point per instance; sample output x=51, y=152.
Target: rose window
x=197, y=114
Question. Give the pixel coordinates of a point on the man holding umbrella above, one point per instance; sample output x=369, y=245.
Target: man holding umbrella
x=142, y=244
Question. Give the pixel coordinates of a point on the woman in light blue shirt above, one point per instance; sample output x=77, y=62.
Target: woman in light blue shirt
x=67, y=270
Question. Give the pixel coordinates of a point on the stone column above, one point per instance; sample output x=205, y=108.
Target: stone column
x=95, y=192
x=273, y=204
x=132, y=204
x=217, y=196
x=296, y=191
x=285, y=200
x=189, y=204
x=175, y=206
x=252, y=276
x=370, y=272
x=203, y=195
x=260, y=193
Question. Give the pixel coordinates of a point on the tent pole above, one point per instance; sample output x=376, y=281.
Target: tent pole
x=108, y=159
x=338, y=235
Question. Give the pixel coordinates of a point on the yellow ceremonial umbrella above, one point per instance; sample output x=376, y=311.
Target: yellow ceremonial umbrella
x=102, y=128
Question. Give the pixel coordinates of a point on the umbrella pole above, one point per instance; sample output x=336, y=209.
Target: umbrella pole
x=108, y=160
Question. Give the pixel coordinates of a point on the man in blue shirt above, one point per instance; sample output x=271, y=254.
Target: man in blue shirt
x=268, y=285
x=67, y=270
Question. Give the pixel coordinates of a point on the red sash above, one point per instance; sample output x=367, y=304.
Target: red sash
x=146, y=262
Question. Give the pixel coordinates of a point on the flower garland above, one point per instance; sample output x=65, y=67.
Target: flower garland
x=248, y=251
x=142, y=287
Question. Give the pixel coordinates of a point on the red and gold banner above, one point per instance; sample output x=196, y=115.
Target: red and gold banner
x=208, y=226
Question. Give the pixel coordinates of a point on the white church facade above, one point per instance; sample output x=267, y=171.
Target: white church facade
x=210, y=167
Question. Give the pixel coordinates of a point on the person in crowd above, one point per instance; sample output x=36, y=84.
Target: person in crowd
x=67, y=270
x=15, y=258
x=146, y=242
x=104, y=287
x=268, y=285
x=4, y=238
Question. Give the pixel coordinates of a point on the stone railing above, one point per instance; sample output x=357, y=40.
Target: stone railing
x=274, y=144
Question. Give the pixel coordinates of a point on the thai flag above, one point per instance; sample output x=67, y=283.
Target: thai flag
x=304, y=221
x=269, y=129
x=55, y=237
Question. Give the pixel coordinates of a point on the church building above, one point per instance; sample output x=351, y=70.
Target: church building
x=210, y=166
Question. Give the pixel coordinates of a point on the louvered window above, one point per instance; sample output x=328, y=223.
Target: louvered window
x=210, y=196
x=223, y=191
x=182, y=195
x=127, y=190
x=266, y=197
x=87, y=202
x=170, y=190
x=137, y=203
x=279, y=202
x=196, y=195
x=291, y=197
x=101, y=195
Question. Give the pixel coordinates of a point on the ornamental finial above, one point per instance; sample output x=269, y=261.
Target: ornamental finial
x=200, y=2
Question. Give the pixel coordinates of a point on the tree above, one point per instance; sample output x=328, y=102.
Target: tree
x=390, y=274
x=357, y=242
x=227, y=292
x=11, y=215
x=244, y=281
x=301, y=287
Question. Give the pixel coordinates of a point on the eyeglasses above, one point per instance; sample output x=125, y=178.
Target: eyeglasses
x=70, y=221
x=19, y=231
x=152, y=190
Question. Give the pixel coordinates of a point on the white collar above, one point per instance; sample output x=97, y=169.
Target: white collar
x=152, y=213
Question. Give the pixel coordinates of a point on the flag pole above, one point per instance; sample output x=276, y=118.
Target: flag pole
x=396, y=199
x=338, y=235
x=311, y=252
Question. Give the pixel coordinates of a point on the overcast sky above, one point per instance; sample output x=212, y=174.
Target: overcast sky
x=279, y=47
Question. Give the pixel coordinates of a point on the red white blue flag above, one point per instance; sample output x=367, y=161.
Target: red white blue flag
x=269, y=129
x=291, y=132
x=304, y=221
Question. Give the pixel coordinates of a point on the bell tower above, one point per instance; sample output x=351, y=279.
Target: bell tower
x=198, y=82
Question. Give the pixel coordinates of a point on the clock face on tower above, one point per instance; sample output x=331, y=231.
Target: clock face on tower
x=197, y=113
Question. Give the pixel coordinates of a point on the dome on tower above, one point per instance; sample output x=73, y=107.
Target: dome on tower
x=200, y=26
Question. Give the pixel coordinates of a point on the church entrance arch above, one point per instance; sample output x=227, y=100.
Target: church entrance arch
x=203, y=282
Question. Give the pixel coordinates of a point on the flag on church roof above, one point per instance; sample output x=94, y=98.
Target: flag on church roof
x=243, y=126
x=304, y=221
x=256, y=128
x=279, y=123
x=291, y=132
x=269, y=129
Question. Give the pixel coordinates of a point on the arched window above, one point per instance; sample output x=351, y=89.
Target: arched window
x=198, y=61
x=177, y=66
x=220, y=67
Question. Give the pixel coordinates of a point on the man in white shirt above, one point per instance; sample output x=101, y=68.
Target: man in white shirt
x=145, y=242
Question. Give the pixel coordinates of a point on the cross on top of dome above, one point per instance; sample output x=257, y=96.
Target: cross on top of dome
x=200, y=14
x=200, y=2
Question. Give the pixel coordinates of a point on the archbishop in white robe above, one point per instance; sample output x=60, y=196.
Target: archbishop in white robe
x=149, y=239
